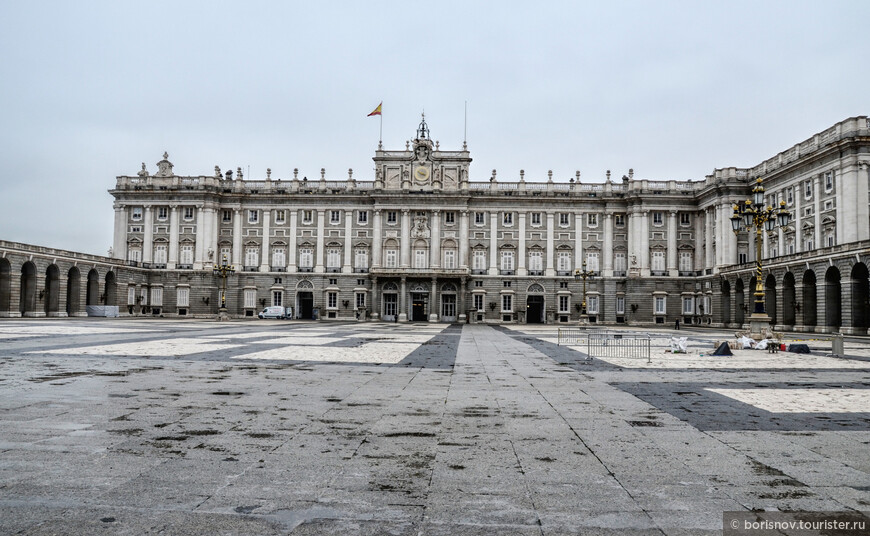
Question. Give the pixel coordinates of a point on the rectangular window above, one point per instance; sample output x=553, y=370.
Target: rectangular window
x=159, y=254
x=536, y=219
x=333, y=258
x=253, y=216
x=829, y=205
x=508, y=218
x=307, y=216
x=658, y=218
x=277, y=298
x=789, y=196
x=479, y=218
x=685, y=219
x=449, y=259
x=334, y=216
x=186, y=254
x=563, y=261
x=250, y=298
x=808, y=189
x=391, y=216
x=361, y=258
x=157, y=297
x=252, y=257
x=506, y=284
x=829, y=181
x=182, y=297
x=362, y=217
x=136, y=214
x=619, y=262
x=360, y=300
x=659, y=305
x=479, y=259
x=808, y=211
x=686, y=264
x=478, y=302
x=619, y=219
x=741, y=258
x=478, y=284
x=658, y=261
x=688, y=306
x=162, y=213
x=333, y=282
x=563, y=284
x=449, y=218
x=280, y=216
x=507, y=303
x=592, y=305
x=306, y=258
x=188, y=213
x=536, y=263
x=143, y=295
x=131, y=295
x=227, y=216
x=279, y=260
x=226, y=255
x=332, y=300
x=135, y=255
x=564, y=218
x=592, y=261
x=808, y=244
x=830, y=240
x=507, y=260
x=563, y=304
x=620, y=305
x=390, y=258
x=592, y=220
x=420, y=258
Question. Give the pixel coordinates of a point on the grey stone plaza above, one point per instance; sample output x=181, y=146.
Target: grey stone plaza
x=150, y=426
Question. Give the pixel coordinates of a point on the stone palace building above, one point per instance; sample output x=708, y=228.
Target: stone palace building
x=422, y=242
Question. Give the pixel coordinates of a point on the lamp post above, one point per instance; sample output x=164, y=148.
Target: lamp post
x=753, y=215
x=223, y=270
x=583, y=274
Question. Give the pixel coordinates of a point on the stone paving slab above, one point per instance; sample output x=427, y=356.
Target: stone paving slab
x=129, y=427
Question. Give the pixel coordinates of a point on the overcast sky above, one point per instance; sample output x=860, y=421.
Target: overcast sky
x=672, y=89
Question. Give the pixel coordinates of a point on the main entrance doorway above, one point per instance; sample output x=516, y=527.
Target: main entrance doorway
x=448, y=307
x=419, y=301
x=391, y=307
x=534, y=309
x=305, y=305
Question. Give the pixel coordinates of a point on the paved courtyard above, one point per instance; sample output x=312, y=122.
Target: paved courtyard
x=278, y=427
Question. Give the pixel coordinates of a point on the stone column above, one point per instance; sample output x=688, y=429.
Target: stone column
x=463, y=240
x=377, y=239
x=731, y=237
x=291, y=253
x=672, y=244
x=644, y=243
x=376, y=300
x=493, y=243
x=551, y=246
x=461, y=301
x=405, y=244
x=148, y=245
x=434, y=313
x=608, y=248
x=347, y=267
x=265, y=265
x=799, y=303
x=796, y=218
x=200, y=239
x=435, y=240
x=237, y=238
x=818, y=238
x=699, y=242
x=708, y=239
x=173, y=237
x=318, y=253
x=862, y=211
x=607, y=254
x=632, y=242
x=521, y=246
x=403, y=301
x=119, y=242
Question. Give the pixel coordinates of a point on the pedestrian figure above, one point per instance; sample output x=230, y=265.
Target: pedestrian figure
x=677, y=325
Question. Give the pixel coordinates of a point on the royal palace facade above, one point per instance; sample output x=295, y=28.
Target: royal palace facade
x=421, y=242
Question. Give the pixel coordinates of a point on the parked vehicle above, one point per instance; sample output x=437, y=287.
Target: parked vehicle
x=272, y=312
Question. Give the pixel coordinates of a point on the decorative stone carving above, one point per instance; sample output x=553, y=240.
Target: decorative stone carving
x=421, y=227
x=164, y=167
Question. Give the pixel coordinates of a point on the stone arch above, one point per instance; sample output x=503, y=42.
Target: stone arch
x=770, y=298
x=304, y=284
x=833, y=302
x=788, y=299
x=448, y=287
x=92, y=297
x=391, y=287
x=111, y=288
x=535, y=288
x=810, y=311
x=27, y=301
x=860, y=297
x=73, y=291
x=5, y=287
x=52, y=290
x=739, y=302
x=726, y=302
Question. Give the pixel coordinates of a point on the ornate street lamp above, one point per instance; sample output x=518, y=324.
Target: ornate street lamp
x=583, y=274
x=753, y=215
x=223, y=270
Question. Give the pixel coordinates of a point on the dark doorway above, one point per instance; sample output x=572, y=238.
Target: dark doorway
x=52, y=290
x=111, y=289
x=5, y=286
x=726, y=302
x=418, y=307
x=306, y=305
x=809, y=299
x=833, y=313
x=770, y=298
x=28, y=289
x=391, y=307
x=739, y=302
x=534, y=309
x=788, y=299
x=93, y=292
x=860, y=298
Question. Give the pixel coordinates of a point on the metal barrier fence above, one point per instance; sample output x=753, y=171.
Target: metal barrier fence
x=602, y=343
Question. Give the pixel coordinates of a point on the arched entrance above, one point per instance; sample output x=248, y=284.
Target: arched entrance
x=535, y=304
x=833, y=303
x=73, y=291
x=390, y=298
x=860, y=299
x=419, y=302
x=726, y=302
x=739, y=302
x=52, y=290
x=788, y=299
x=770, y=298
x=93, y=291
x=810, y=311
x=111, y=289
x=448, y=302
x=5, y=287
x=305, y=300
x=27, y=303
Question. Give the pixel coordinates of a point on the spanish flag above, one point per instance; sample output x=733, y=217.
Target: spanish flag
x=377, y=111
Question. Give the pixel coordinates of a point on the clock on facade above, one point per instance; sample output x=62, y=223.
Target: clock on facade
x=421, y=174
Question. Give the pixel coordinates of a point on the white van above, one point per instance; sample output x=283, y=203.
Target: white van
x=272, y=312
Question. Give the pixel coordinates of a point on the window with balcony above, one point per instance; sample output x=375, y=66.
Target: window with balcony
x=252, y=257
x=536, y=262
x=478, y=260
x=306, y=259
x=279, y=259
x=159, y=254
x=333, y=259
x=391, y=257
x=686, y=261
x=658, y=262
x=361, y=259
x=592, y=261
x=449, y=259
x=563, y=262
x=186, y=255
x=619, y=265
x=420, y=258
x=507, y=261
